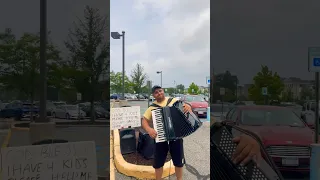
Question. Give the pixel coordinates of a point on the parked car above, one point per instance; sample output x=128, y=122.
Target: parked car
x=99, y=111
x=285, y=135
x=68, y=112
x=198, y=104
x=19, y=110
x=115, y=96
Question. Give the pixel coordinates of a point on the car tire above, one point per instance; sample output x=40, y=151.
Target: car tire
x=67, y=116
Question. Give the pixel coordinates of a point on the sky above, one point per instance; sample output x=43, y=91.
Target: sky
x=247, y=34
x=24, y=16
x=168, y=36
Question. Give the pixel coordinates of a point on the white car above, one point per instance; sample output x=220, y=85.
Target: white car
x=68, y=112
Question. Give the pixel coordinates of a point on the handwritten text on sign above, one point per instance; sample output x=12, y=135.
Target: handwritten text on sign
x=125, y=117
x=63, y=161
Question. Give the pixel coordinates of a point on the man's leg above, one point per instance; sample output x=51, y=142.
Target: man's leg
x=160, y=155
x=177, y=154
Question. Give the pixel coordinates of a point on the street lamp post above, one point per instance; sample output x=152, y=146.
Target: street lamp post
x=160, y=72
x=116, y=35
x=43, y=60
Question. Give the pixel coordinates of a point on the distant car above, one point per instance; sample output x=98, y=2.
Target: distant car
x=19, y=110
x=198, y=104
x=115, y=96
x=68, y=112
x=284, y=134
x=99, y=111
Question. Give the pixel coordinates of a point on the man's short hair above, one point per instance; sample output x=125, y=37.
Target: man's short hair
x=154, y=88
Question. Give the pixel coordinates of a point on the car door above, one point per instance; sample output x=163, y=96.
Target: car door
x=59, y=112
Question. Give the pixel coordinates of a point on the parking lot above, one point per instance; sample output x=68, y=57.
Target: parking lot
x=196, y=147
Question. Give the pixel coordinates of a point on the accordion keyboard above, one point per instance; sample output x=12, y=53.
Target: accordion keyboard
x=158, y=125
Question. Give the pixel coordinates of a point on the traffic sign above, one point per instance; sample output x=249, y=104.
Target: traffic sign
x=222, y=91
x=264, y=91
x=208, y=81
x=314, y=59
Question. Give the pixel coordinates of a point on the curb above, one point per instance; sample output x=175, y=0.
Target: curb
x=6, y=140
x=18, y=128
x=112, y=168
x=137, y=171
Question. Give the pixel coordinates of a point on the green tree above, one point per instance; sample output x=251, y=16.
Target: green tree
x=193, y=89
x=138, y=78
x=227, y=81
x=116, y=82
x=171, y=90
x=89, y=52
x=20, y=62
x=180, y=88
x=287, y=96
x=266, y=78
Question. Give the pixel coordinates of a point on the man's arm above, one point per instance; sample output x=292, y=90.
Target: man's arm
x=145, y=124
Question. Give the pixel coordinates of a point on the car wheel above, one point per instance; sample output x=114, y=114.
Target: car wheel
x=67, y=116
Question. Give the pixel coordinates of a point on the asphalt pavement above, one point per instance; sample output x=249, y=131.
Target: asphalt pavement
x=196, y=147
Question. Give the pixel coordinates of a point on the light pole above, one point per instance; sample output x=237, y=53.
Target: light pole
x=160, y=72
x=116, y=35
x=43, y=61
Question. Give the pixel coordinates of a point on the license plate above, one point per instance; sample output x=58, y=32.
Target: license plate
x=290, y=161
x=200, y=112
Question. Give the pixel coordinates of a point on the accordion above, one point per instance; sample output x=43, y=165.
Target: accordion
x=172, y=123
x=221, y=150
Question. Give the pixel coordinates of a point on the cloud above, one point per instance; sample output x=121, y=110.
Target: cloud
x=168, y=36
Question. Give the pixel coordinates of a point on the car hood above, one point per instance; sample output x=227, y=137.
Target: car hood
x=199, y=104
x=280, y=135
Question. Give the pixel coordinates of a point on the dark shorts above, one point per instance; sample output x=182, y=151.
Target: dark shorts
x=176, y=151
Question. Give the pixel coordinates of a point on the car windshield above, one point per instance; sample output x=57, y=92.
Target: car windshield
x=219, y=108
x=273, y=117
x=71, y=107
x=194, y=99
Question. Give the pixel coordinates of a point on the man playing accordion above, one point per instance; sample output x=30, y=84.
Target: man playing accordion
x=162, y=148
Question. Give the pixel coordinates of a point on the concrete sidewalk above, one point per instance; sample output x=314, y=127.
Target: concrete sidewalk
x=197, y=155
x=73, y=134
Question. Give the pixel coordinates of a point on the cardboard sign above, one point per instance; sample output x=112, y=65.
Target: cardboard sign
x=74, y=161
x=124, y=117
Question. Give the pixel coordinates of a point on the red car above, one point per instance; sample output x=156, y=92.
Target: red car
x=286, y=136
x=198, y=103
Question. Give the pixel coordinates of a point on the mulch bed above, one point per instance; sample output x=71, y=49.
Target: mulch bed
x=136, y=158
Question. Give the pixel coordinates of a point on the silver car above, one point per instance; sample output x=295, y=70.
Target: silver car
x=68, y=112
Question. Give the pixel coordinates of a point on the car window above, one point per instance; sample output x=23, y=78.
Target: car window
x=278, y=117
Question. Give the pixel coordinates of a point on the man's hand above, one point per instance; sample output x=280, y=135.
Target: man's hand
x=247, y=149
x=187, y=108
x=152, y=133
